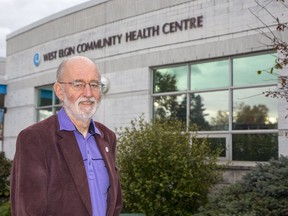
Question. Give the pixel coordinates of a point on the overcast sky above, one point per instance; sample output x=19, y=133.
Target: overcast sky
x=15, y=14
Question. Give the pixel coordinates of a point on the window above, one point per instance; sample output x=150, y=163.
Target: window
x=245, y=68
x=170, y=79
x=251, y=110
x=209, y=110
x=47, y=102
x=209, y=75
x=225, y=99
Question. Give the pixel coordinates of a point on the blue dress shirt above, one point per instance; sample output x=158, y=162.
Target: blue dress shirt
x=96, y=171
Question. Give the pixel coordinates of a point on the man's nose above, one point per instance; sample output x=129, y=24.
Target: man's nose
x=87, y=90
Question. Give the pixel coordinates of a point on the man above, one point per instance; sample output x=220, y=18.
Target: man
x=65, y=165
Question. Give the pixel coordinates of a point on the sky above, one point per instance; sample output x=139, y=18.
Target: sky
x=15, y=14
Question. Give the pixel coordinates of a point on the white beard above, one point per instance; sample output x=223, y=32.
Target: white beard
x=74, y=109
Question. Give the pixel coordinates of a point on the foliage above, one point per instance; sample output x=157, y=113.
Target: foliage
x=5, y=209
x=5, y=165
x=197, y=109
x=166, y=104
x=263, y=148
x=263, y=191
x=279, y=45
x=161, y=172
x=256, y=115
x=252, y=117
x=174, y=106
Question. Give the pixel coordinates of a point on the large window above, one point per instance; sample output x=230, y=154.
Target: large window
x=47, y=102
x=225, y=99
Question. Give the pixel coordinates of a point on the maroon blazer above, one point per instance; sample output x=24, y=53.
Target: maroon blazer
x=48, y=175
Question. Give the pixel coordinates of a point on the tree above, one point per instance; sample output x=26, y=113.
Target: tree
x=166, y=105
x=263, y=191
x=197, y=115
x=181, y=112
x=251, y=117
x=161, y=172
x=253, y=147
x=221, y=120
x=5, y=165
x=175, y=107
x=279, y=45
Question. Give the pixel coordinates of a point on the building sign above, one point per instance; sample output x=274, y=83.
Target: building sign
x=136, y=35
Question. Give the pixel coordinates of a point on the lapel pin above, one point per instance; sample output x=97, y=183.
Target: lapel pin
x=106, y=149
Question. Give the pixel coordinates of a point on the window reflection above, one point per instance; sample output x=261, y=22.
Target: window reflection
x=223, y=100
x=170, y=79
x=57, y=101
x=56, y=109
x=170, y=107
x=216, y=143
x=45, y=96
x=253, y=111
x=209, y=75
x=245, y=70
x=255, y=147
x=44, y=113
x=47, y=102
x=209, y=110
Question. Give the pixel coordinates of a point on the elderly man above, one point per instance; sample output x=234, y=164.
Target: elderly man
x=65, y=164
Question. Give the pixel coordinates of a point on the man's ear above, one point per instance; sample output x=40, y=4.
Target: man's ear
x=58, y=91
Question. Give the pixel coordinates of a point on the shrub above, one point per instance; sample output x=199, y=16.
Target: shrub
x=263, y=191
x=161, y=172
x=5, y=209
x=5, y=165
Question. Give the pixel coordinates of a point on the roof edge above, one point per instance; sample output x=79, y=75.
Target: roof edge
x=55, y=16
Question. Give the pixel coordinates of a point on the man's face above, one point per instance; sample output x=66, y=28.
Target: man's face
x=81, y=108
x=80, y=103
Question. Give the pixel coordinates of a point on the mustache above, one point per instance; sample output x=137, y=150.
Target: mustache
x=84, y=99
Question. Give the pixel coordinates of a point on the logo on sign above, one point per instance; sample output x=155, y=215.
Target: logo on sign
x=37, y=59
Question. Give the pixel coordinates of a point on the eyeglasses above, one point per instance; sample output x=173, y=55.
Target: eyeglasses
x=80, y=85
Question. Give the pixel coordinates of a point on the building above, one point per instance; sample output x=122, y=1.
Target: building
x=2, y=97
x=196, y=60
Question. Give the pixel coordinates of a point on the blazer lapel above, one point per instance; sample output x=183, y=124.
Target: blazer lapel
x=73, y=157
x=106, y=152
x=104, y=149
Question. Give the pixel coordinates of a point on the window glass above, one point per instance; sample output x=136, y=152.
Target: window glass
x=47, y=102
x=170, y=106
x=170, y=79
x=44, y=113
x=252, y=110
x=216, y=143
x=56, y=109
x=209, y=75
x=57, y=101
x=45, y=96
x=255, y=147
x=223, y=97
x=245, y=70
x=209, y=110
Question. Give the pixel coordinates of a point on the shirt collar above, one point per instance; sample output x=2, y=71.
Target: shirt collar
x=67, y=125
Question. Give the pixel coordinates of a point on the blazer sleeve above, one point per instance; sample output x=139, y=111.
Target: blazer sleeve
x=119, y=201
x=29, y=175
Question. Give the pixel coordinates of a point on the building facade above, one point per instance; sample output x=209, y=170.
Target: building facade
x=194, y=60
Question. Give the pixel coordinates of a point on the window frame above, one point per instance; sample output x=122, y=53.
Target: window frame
x=230, y=88
x=54, y=106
